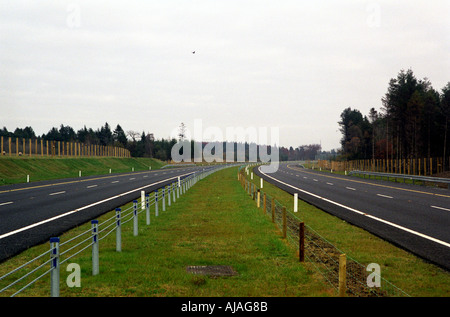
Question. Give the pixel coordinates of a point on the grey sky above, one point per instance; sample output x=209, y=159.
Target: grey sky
x=294, y=65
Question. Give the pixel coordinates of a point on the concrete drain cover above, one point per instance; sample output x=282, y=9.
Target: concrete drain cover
x=212, y=270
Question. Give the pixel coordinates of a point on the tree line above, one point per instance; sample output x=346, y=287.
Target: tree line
x=144, y=145
x=139, y=144
x=413, y=122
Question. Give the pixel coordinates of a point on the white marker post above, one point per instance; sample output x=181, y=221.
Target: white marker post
x=261, y=183
x=295, y=202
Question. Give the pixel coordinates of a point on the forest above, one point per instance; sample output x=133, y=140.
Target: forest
x=413, y=122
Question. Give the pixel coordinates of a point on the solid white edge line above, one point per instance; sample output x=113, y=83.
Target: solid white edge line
x=364, y=214
x=82, y=208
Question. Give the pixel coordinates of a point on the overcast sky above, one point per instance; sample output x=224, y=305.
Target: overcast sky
x=294, y=65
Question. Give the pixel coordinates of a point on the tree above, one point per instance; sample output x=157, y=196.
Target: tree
x=105, y=135
x=373, y=116
x=119, y=136
x=354, y=128
x=395, y=104
x=445, y=109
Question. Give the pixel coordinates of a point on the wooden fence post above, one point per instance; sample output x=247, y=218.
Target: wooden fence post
x=258, y=197
x=342, y=275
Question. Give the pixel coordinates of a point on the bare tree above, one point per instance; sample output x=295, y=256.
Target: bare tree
x=133, y=135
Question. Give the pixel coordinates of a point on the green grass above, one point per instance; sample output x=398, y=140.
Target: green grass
x=410, y=273
x=15, y=170
x=214, y=223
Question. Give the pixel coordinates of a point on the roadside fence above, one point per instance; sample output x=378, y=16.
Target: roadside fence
x=411, y=166
x=10, y=146
x=346, y=275
x=48, y=263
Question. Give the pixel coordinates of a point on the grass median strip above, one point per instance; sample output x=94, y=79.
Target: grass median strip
x=214, y=224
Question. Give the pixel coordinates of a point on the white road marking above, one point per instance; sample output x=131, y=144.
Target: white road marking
x=385, y=196
x=114, y=182
x=442, y=208
x=330, y=184
x=57, y=193
x=132, y=178
x=82, y=208
x=7, y=203
x=363, y=214
x=351, y=188
x=92, y=186
x=315, y=180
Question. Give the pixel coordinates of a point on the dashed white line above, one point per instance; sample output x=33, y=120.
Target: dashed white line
x=114, y=182
x=330, y=184
x=442, y=208
x=385, y=196
x=132, y=178
x=7, y=203
x=57, y=193
x=315, y=180
x=350, y=188
x=91, y=186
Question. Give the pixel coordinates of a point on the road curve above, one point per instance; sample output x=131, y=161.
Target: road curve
x=32, y=213
x=412, y=217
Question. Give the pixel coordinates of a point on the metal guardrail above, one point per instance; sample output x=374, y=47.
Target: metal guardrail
x=405, y=177
x=51, y=260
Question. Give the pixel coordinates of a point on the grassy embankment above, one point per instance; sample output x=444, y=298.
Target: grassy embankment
x=15, y=170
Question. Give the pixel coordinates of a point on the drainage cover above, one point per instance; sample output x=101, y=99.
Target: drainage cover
x=212, y=270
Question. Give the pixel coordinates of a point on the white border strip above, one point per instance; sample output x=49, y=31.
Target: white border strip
x=85, y=207
x=363, y=213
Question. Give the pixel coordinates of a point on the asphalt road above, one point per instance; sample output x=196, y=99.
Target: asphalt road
x=412, y=217
x=32, y=213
